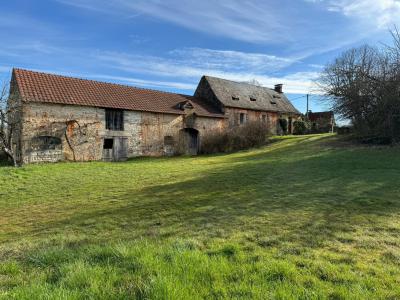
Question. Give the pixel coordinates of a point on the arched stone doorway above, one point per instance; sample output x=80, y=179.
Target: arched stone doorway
x=189, y=141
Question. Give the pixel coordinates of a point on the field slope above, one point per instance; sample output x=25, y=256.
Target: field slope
x=302, y=218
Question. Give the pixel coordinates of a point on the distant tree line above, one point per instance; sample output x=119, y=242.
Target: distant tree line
x=363, y=85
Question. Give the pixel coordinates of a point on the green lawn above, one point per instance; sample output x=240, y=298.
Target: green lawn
x=306, y=217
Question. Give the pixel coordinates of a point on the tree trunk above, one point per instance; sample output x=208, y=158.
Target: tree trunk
x=11, y=156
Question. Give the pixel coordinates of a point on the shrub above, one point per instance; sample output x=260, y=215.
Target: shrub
x=4, y=161
x=284, y=125
x=343, y=130
x=252, y=134
x=299, y=127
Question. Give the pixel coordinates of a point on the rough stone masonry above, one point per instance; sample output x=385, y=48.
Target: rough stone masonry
x=64, y=118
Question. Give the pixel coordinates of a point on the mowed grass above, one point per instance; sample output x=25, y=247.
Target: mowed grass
x=303, y=218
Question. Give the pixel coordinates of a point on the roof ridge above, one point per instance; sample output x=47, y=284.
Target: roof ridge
x=102, y=82
x=241, y=82
x=36, y=86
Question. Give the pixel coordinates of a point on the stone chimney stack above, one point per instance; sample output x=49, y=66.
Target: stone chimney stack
x=278, y=88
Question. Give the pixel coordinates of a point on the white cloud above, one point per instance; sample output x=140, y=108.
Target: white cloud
x=381, y=13
x=234, y=60
x=181, y=69
x=147, y=83
x=116, y=79
x=298, y=28
x=252, y=21
x=189, y=65
x=193, y=62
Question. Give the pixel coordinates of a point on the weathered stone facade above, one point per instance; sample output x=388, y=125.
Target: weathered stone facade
x=81, y=132
x=243, y=102
x=65, y=118
x=269, y=118
x=321, y=121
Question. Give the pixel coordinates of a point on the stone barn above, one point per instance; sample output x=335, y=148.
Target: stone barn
x=65, y=118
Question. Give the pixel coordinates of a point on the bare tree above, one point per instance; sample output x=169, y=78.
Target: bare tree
x=9, y=122
x=363, y=85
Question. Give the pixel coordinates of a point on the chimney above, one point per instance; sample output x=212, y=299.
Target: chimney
x=278, y=88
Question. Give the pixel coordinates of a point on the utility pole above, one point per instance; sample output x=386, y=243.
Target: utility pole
x=307, y=106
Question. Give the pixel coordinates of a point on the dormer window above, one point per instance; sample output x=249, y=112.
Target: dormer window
x=185, y=105
x=273, y=102
x=235, y=98
x=188, y=105
x=253, y=99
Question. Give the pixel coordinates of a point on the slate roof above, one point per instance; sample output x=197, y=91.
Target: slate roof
x=265, y=99
x=313, y=116
x=48, y=88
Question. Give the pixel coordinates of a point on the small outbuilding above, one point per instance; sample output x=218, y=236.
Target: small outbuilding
x=322, y=122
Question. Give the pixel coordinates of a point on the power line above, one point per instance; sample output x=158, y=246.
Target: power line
x=298, y=98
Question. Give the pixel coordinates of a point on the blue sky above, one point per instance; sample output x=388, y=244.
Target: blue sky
x=170, y=44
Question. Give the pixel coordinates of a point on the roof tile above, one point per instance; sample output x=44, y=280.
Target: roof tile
x=49, y=88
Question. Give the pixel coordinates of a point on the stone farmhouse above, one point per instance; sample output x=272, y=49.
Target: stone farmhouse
x=64, y=118
x=322, y=122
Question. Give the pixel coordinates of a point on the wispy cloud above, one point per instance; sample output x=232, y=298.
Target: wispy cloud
x=380, y=13
x=252, y=21
x=302, y=29
x=179, y=69
x=146, y=83
x=234, y=60
x=115, y=79
x=193, y=62
x=189, y=65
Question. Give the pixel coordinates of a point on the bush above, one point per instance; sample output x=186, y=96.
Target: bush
x=4, y=161
x=252, y=134
x=342, y=130
x=284, y=125
x=299, y=127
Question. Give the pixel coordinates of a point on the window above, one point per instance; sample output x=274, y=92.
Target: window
x=242, y=118
x=273, y=102
x=185, y=105
x=253, y=99
x=108, y=143
x=168, y=140
x=235, y=98
x=114, y=119
x=41, y=143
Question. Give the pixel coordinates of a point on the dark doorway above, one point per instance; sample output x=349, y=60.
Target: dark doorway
x=290, y=125
x=115, y=149
x=189, y=141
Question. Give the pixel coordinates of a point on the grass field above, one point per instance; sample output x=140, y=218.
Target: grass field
x=304, y=218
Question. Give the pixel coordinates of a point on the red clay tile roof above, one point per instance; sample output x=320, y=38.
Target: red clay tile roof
x=49, y=88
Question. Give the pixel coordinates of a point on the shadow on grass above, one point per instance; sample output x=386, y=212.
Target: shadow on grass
x=302, y=193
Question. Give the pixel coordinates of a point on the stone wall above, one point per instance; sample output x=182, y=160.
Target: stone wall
x=288, y=117
x=205, y=92
x=323, y=124
x=271, y=118
x=81, y=131
x=79, y=128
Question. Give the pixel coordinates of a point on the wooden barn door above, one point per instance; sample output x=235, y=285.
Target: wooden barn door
x=189, y=140
x=120, y=148
x=115, y=149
